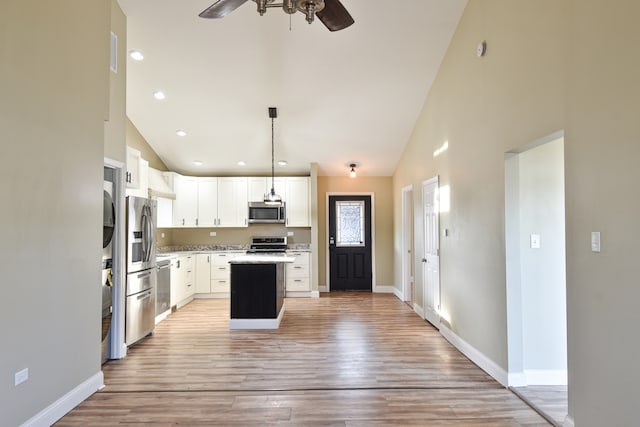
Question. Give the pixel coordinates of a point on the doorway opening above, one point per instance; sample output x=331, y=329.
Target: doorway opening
x=350, y=245
x=536, y=274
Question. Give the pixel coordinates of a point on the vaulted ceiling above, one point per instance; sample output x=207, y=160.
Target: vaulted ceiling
x=347, y=96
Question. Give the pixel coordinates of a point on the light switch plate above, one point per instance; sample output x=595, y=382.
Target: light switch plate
x=535, y=241
x=595, y=241
x=289, y=233
x=212, y=234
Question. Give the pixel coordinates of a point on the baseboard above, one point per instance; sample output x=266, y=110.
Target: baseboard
x=568, y=421
x=66, y=403
x=418, y=310
x=257, y=323
x=315, y=294
x=385, y=289
x=214, y=295
x=477, y=357
x=517, y=379
x=545, y=377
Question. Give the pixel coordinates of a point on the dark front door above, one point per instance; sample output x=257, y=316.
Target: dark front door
x=350, y=243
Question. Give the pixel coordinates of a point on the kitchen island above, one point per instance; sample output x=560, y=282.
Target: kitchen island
x=257, y=291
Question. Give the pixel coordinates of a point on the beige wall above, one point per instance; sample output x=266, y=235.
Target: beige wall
x=602, y=150
x=115, y=126
x=514, y=95
x=383, y=210
x=54, y=81
x=482, y=107
x=137, y=141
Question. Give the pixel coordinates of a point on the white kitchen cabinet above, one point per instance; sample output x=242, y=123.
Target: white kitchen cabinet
x=185, y=206
x=189, y=288
x=298, y=202
x=137, y=177
x=222, y=201
x=165, y=213
x=132, y=178
x=207, y=202
x=221, y=272
x=232, y=202
x=257, y=188
x=182, y=280
x=203, y=273
x=298, y=273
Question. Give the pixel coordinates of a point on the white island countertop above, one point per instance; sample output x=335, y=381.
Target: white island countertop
x=261, y=259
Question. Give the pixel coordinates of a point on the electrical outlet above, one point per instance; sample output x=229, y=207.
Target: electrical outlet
x=162, y=235
x=595, y=241
x=289, y=233
x=21, y=376
x=212, y=234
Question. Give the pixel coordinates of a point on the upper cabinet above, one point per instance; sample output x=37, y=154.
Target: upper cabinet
x=209, y=201
x=232, y=202
x=298, y=202
x=222, y=201
x=136, y=179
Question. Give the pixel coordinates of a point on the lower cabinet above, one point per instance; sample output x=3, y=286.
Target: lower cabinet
x=203, y=273
x=221, y=273
x=298, y=273
x=182, y=280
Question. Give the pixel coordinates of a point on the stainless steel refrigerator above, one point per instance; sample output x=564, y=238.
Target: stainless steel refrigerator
x=140, y=306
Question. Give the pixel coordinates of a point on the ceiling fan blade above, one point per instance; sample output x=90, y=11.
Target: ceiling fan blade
x=221, y=8
x=334, y=15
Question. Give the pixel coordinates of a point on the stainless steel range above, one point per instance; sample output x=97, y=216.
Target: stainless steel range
x=268, y=245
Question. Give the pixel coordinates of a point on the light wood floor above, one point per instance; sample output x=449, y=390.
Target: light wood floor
x=550, y=400
x=342, y=360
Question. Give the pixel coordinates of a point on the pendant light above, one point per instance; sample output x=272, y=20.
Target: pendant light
x=272, y=198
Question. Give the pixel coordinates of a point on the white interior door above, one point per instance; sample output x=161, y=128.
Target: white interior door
x=407, y=245
x=431, y=251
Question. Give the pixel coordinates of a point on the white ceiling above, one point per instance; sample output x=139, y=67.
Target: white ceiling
x=348, y=96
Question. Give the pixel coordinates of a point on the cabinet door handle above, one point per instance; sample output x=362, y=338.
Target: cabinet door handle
x=196, y=221
x=182, y=221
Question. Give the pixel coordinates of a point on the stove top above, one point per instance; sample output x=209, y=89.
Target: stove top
x=268, y=245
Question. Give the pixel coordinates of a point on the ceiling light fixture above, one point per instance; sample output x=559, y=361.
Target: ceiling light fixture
x=181, y=133
x=159, y=95
x=282, y=162
x=352, y=174
x=137, y=55
x=241, y=163
x=272, y=198
x=197, y=163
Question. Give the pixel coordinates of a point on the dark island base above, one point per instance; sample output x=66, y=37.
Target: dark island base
x=257, y=296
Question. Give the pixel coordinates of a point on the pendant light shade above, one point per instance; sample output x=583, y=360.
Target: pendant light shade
x=271, y=197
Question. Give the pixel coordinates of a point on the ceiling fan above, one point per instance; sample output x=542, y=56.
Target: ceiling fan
x=331, y=12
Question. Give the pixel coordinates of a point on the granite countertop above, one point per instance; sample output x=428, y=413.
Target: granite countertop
x=261, y=259
x=163, y=251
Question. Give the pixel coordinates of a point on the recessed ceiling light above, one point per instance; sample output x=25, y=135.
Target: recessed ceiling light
x=181, y=133
x=282, y=162
x=137, y=55
x=197, y=162
x=159, y=94
x=241, y=163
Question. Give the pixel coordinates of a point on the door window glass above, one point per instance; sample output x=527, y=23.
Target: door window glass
x=350, y=223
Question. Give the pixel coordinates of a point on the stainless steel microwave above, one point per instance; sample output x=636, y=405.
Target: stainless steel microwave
x=265, y=213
